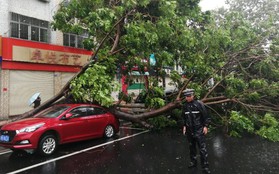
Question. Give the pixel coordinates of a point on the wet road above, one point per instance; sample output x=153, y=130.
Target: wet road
x=135, y=151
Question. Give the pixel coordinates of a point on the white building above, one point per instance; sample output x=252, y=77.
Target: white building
x=33, y=58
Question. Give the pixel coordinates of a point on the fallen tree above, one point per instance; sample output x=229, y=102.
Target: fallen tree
x=231, y=55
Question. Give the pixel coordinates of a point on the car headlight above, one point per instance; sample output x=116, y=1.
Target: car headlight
x=30, y=128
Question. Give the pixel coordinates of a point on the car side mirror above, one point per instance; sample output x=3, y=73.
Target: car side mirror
x=67, y=116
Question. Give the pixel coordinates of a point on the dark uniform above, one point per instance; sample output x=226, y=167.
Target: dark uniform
x=195, y=118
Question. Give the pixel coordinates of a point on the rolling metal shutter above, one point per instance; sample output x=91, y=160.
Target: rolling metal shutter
x=23, y=84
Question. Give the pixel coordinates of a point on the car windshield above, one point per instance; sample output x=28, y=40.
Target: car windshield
x=52, y=112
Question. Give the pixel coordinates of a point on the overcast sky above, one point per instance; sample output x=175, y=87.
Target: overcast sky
x=211, y=4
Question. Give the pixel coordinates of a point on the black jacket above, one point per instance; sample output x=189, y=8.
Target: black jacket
x=195, y=116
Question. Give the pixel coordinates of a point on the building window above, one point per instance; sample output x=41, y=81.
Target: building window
x=74, y=40
x=66, y=2
x=28, y=28
x=44, y=0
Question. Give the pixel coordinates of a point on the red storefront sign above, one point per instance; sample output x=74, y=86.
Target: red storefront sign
x=22, y=55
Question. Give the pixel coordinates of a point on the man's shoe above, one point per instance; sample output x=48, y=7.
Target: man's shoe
x=192, y=165
x=206, y=170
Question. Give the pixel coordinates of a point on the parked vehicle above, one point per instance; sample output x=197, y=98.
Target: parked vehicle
x=59, y=124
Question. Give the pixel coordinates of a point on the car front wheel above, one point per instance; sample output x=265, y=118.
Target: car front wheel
x=109, y=131
x=47, y=145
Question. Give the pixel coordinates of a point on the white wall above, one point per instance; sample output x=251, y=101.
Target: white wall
x=31, y=8
x=4, y=17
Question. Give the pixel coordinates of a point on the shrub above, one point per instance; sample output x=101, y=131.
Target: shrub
x=239, y=124
x=269, y=129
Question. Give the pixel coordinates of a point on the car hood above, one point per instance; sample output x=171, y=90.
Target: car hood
x=24, y=123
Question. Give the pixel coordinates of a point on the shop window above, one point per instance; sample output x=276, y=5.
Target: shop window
x=28, y=28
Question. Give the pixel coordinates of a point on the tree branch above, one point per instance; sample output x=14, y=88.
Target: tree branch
x=116, y=41
x=212, y=89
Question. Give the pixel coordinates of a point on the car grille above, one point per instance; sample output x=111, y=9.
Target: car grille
x=11, y=134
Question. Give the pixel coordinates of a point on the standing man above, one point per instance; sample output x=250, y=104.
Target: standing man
x=196, y=121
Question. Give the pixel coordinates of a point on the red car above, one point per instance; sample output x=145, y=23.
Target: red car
x=56, y=125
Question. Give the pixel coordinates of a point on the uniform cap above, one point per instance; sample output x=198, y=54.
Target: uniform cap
x=188, y=92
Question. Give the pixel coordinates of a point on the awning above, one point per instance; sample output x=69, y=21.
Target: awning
x=137, y=73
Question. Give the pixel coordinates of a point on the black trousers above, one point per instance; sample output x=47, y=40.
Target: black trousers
x=194, y=142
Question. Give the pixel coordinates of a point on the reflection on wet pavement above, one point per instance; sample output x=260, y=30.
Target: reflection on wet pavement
x=249, y=154
x=165, y=152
